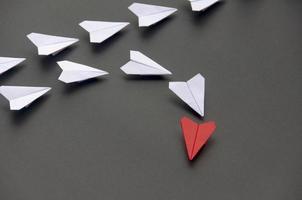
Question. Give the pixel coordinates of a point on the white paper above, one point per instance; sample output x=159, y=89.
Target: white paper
x=100, y=30
x=75, y=72
x=200, y=5
x=21, y=96
x=49, y=44
x=140, y=64
x=191, y=92
x=6, y=63
x=150, y=14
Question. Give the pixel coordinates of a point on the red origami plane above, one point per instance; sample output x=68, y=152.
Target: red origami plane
x=196, y=135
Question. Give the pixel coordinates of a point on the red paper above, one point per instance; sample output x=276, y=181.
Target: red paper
x=196, y=135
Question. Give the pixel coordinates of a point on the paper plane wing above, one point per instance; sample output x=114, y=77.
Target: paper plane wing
x=150, y=14
x=49, y=44
x=200, y=5
x=196, y=135
x=74, y=72
x=20, y=97
x=100, y=31
x=7, y=63
x=191, y=92
x=140, y=64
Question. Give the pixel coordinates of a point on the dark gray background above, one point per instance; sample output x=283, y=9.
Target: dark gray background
x=119, y=137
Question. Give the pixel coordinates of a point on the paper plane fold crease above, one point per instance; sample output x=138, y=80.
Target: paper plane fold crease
x=191, y=92
x=7, y=63
x=150, y=14
x=140, y=64
x=49, y=44
x=201, y=5
x=196, y=135
x=75, y=72
x=21, y=96
x=101, y=30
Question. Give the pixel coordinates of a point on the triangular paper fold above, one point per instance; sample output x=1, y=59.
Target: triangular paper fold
x=196, y=135
x=75, y=72
x=201, y=5
x=140, y=64
x=50, y=44
x=6, y=63
x=21, y=96
x=101, y=30
x=191, y=92
x=150, y=14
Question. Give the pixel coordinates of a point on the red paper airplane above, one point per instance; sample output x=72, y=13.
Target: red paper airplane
x=196, y=135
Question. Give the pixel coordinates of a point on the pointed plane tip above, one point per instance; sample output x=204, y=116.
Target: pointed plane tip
x=104, y=73
x=75, y=40
x=48, y=89
x=200, y=112
x=101, y=72
x=169, y=73
x=166, y=72
x=125, y=23
x=202, y=6
x=20, y=60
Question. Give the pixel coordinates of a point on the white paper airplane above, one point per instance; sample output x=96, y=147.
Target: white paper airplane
x=191, y=92
x=49, y=44
x=201, y=5
x=100, y=30
x=140, y=64
x=150, y=14
x=6, y=63
x=74, y=72
x=20, y=96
